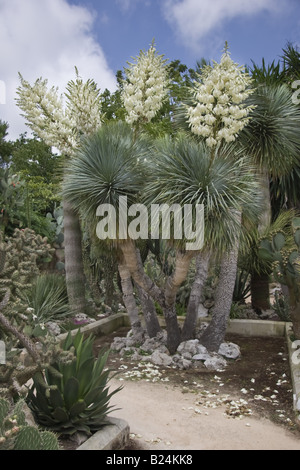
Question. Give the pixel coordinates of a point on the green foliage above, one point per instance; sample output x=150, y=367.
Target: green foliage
x=5, y=145
x=16, y=434
x=284, y=258
x=242, y=286
x=34, y=159
x=11, y=201
x=22, y=256
x=47, y=298
x=281, y=307
x=272, y=138
x=73, y=395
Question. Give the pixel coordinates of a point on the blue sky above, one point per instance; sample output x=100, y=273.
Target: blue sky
x=49, y=38
x=123, y=27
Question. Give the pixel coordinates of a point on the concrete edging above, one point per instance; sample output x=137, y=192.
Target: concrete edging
x=113, y=436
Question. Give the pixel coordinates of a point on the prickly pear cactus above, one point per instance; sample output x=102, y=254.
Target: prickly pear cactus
x=16, y=434
x=28, y=438
x=49, y=441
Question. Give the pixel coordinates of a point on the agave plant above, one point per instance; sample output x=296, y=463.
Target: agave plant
x=73, y=396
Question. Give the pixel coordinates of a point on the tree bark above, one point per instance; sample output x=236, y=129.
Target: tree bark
x=167, y=298
x=182, y=265
x=149, y=313
x=129, y=300
x=202, y=265
x=75, y=278
x=214, y=334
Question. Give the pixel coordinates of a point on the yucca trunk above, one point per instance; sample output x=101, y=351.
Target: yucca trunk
x=165, y=298
x=182, y=265
x=202, y=265
x=214, y=334
x=129, y=300
x=149, y=313
x=75, y=278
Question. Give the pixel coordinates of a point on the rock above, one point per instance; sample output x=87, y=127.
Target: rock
x=190, y=346
x=186, y=355
x=118, y=344
x=53, y=328
x=161, y=359
x=183, y=363
x=265, y=314
x=229, y=350
x=202, y=354
x=202, y=311
x=215, y=363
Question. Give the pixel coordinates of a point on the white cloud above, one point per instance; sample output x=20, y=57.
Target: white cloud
x=47, y=38
x=194, y=20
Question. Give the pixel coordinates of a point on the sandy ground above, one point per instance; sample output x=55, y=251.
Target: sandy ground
x=162, y=417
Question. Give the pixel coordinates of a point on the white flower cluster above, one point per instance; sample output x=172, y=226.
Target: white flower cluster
x=58, y=125
x=219, y=95
x=84, y=105
x=146, y=86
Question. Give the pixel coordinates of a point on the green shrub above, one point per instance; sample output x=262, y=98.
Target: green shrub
x=73, y=395
x=48, y=298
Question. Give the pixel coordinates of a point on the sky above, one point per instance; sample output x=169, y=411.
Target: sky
x=49, y=38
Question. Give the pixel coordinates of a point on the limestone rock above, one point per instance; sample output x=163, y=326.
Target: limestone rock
x=161, y=359
x=215, y=363
x=229, y=350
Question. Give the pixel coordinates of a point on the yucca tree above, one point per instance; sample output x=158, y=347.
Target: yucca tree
x=105, y=168
x=62, y=126
x=272, y=141
x=113, y=163
x=184, y=172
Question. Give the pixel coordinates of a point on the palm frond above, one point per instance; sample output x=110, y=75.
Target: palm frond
x=272, y=137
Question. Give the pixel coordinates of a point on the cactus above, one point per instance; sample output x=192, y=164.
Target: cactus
x=17, y=434
x=30, y=438
x=285, y=260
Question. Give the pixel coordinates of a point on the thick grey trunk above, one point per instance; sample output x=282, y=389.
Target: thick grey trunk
x=182, y=265
x=75, y=278
x=167, y=298
x=129, y=300
x=202, y=265
x=149, y=313
x=214, y=334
